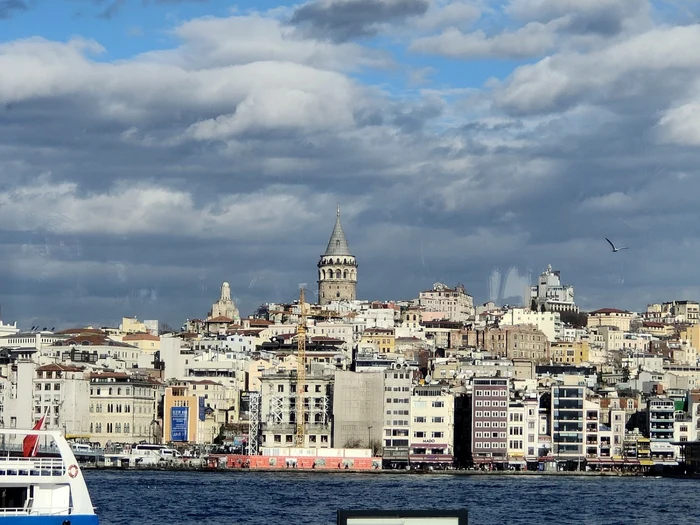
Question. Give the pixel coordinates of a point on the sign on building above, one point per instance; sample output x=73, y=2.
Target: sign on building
x=179, y=422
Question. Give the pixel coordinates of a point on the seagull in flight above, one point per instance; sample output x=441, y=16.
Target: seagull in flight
x=615, y=248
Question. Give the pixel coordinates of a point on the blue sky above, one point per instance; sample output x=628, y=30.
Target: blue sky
x=465, y=139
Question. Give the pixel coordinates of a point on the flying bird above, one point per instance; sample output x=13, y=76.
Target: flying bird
x=615, y=248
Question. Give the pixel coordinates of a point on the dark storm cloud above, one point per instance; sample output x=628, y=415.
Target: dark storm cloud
x=9, y=8
x=343, y=20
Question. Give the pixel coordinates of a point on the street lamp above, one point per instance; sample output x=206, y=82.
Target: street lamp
x=369, y=437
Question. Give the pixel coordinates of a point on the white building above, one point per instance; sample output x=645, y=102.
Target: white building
x=550, y=293
x=549, y=323
x=62, y=393
x=398, y=380
x=454, y=303
x=431, y=426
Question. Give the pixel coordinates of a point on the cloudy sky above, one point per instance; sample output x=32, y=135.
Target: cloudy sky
x=150, y=149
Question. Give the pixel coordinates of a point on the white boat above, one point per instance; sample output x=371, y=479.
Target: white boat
x=145, y=455
x=43, y=490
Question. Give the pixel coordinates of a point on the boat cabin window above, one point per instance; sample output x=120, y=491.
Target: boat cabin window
x=13, y=497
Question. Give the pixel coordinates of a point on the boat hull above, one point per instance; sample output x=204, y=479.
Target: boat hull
x=72, y=519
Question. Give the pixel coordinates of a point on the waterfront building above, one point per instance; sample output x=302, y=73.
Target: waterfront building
x=523, y=431
x=431, y=426
x=452, y=304
x=568, y=420
x=550, y=295
x=124, y=407
x=279, y=408
x=337, y=269
x=490, y=421
x=398, y=381
x=660, y=418
x=358, y=409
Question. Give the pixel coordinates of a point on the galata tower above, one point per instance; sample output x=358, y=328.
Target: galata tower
x=337, y=269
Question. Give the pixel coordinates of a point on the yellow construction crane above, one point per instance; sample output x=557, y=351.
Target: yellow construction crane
x=301, y=369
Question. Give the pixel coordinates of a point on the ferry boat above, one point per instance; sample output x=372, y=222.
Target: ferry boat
x=42, y=490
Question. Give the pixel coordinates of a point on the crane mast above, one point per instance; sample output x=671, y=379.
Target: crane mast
x=301, y=370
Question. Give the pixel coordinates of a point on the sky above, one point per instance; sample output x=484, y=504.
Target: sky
x=152, y=149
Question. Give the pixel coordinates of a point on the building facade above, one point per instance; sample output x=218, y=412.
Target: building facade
x=337, y=269
x=279, y=409
x=490, y=420
x=550, y=295
x=431, y=426
x=358, y=409
x=124, y=408
x=454, y=304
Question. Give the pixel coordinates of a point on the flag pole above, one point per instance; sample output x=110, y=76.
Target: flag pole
x=42, y=421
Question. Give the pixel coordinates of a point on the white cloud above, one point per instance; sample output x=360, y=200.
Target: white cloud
x=681, y=125
x=565, y=79
x=534, y=39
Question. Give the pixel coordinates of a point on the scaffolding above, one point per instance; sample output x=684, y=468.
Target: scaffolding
x=301, y=370
x=254, y=429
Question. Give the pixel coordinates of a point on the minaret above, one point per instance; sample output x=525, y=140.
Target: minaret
x=337, y=268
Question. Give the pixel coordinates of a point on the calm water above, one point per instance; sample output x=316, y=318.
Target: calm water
x=179, y=498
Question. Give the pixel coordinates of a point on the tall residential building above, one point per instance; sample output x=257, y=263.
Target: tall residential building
x=337, y=269
x=490, y=420
x=549, y=294
x=568, y=421
x=454, y=304
x=660, y=417
x=432, y=426
x=398, y=380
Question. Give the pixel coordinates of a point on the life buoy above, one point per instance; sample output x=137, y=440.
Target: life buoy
x=73, y=471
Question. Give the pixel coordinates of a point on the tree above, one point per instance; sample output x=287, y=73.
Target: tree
x=533, y=305
x=353, y=442
x=542, y=309
x=376, y=446
x=165, y=328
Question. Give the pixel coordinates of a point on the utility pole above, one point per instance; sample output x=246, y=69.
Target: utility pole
x=369, y=437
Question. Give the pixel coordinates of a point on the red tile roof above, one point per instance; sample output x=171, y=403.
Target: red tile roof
x=220, y=319
x=604, y=311
x=73, y=331
x=55, y=367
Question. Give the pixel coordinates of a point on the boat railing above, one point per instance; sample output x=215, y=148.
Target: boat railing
x=34, y=466
x=34, y=511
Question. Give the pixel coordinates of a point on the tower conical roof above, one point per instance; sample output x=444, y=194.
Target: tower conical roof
x=338, y=244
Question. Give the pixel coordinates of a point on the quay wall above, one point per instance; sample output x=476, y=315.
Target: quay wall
x=236, y=461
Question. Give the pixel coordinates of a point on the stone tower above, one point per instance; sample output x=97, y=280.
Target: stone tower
x=225, y=307
x=337, y=269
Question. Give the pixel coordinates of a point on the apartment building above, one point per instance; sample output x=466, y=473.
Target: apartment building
x=454, y=304
x=398, y=380
x=490, y=421
x=431, y=426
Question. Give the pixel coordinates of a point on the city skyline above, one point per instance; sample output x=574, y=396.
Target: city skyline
x=151, y=150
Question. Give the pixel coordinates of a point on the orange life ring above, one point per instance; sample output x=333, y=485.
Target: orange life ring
x=73, y=471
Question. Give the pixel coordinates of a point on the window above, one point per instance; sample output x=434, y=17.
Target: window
x=126, y=428
x=288, y=438
x=438, y=404
x=324, y=439
x=277, y=438
x=419, y=419
x=438, y=434
x=280, y=388
x=438, y=420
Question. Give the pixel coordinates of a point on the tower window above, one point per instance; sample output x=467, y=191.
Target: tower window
x=337, y=294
